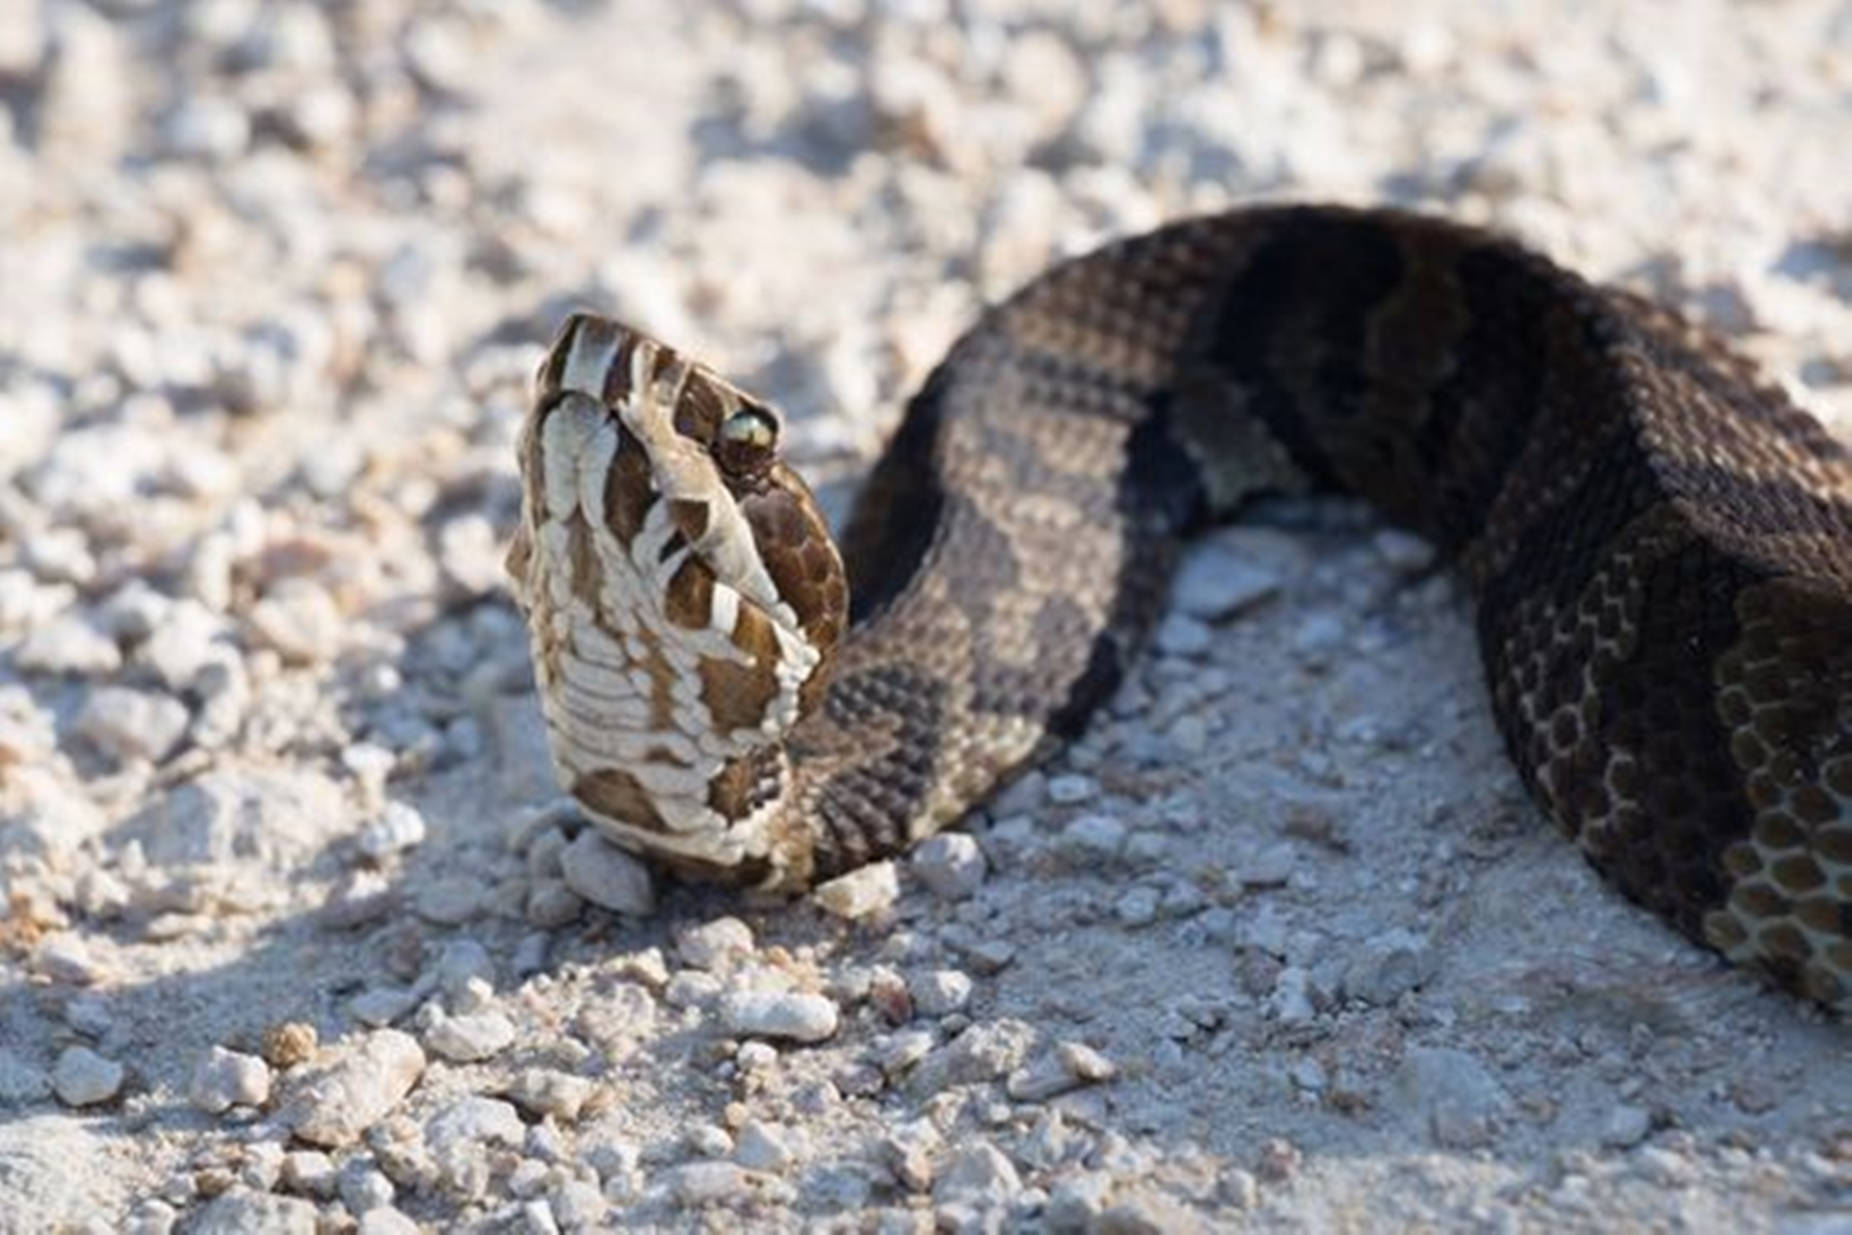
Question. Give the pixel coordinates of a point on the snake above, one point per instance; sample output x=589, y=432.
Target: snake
x=1656, y=542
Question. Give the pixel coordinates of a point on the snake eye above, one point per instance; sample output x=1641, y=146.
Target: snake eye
x=746, y=439
x=751, y=428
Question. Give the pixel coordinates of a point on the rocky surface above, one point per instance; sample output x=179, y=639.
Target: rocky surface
x=293, y=937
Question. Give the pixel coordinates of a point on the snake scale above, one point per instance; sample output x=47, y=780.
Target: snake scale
x=1658, y=545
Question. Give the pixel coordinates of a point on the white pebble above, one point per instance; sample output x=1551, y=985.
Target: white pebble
x=473, y=1119
x=762, y=1146
x=133, y=724
x=398, y=828
x=1215, y=582
x=466, y=1039
x=359, y=1088
x=1181, y=635
x=385, y=1220
x=980, y=1174
x=779, y=1014
x=227, y=1078
x=1069, y=1066
x=81, y=1077
x=607, y=876
x=548, y=1091
x=309, y=1171
x=940, y=991
x=951, y=864
x=705, y=1183
x=1092, y=838
x=1072, y=788
x=1626, y=1126
x=68, y=644
x=714, y=945
x=864, y=891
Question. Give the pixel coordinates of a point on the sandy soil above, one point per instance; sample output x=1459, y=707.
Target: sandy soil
x=293, y=940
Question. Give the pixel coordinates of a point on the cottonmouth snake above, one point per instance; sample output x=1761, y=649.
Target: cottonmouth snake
x=1658, y=543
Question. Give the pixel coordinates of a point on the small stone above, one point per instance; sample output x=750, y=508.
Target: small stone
x=188, y=639
x=1317, y=636
x=238, y=815
x=1070, y=1066
x=951, y=864
x=940, y=992
x=607, y=876
x=300, y=621
x=1075, y=1201
x=707, y=1183
x=470, y=552
x=438, y=52
x=779, y=1014
x=762, y=1146
x=130, y=725
x=709, y=1141
x=980, y=1175
x=1071, y=789
x=1138, y=906
x=66, y=958
x=1626, y=1126
x=465, y=972
x=1403, y=552
x=547, y=1091
x=864, y=891
x=356, y=1090
x=242, y=1211
x=398, y=828
x=450, y=901
x=984, y=1052
x=385, y=1220
x=207, y=127
x=1091, y=839
x=714, y=945
x=1181, y=635
x=382, y=1005
x=68, y=644
x=1291, y=998
x=901, y=1051
x=1387, y=966
x=986, y=954
x=466, y=1039
x=472, y=1120
x=1215, y=582
x=363, y=1187
x=1270, y=867
x=579, y=1205
x=262, y=1165
x=551, y=904
x=1240, y=1189
x=227, y=1078
x=81, y=1077
x=309, y=1171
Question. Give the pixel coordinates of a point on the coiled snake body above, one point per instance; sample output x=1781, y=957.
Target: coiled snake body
x=1659, y=545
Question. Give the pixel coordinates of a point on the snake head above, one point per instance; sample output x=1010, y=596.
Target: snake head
x=684, y=596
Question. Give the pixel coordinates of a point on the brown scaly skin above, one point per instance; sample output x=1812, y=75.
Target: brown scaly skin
x=1659, y=544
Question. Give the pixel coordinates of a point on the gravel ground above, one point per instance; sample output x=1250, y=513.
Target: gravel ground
x=293, y=939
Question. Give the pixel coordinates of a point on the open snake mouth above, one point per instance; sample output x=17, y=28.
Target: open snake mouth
x=635, y=436
x=684, y=597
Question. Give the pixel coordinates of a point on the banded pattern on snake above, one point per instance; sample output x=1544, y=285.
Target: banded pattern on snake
x=1658, y=543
